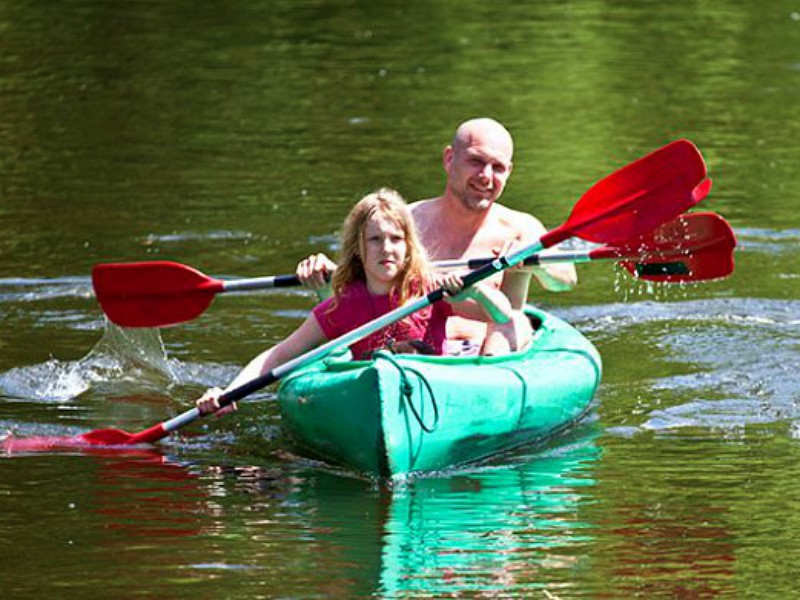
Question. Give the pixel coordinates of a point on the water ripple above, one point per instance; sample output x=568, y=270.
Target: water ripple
x=17, y=289
x=735, y=360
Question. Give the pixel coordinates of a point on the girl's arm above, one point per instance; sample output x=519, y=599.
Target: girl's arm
x=306, y=337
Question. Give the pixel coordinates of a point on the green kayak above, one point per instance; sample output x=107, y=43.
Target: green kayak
x=399, y=414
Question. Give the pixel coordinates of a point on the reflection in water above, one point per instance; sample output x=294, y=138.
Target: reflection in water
x=669, y=531
x=510, y=528
x=120, y=514
x=493, y=530
x=144, y=494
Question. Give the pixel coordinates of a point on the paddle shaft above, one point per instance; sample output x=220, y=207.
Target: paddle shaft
x=282, y=281
x=628, y=203
x=165, y=428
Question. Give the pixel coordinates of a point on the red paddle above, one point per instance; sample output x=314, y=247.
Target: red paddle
x=612, y=211
x=176, y=293
x=162, y=293
x=693, y=247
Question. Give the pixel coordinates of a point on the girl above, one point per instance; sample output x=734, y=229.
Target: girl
x=383, y=265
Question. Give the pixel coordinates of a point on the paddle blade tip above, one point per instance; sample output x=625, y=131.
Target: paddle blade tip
x=701, y=190
x=11, y=444
x=687, y=270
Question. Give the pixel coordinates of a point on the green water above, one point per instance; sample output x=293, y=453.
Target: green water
x=234, y=137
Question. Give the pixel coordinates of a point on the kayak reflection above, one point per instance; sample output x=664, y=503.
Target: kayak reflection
x=497, y=529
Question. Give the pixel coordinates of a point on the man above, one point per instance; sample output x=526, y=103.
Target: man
x=467, y=222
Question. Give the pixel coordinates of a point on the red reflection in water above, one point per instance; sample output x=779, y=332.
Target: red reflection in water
x=144, y=494
x=137, y=489
x=691, y=558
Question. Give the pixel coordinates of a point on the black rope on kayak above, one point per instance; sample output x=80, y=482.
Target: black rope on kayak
x=407, y=390
x=523, y=386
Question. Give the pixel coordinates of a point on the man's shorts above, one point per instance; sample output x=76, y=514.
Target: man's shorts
x=461, y=348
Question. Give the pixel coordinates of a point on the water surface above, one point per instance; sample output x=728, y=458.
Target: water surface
x=234, y=138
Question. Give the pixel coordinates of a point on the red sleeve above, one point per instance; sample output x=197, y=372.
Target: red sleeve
x=337, y=317
x=325, y=317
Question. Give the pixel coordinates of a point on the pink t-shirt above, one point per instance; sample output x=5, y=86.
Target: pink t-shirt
x=357, y=306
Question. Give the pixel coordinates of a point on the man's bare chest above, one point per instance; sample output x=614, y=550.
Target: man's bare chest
x=451, y=243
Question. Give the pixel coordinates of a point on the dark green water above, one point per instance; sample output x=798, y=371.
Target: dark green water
x=234, y=137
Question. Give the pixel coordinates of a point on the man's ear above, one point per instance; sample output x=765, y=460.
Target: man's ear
x=447, y=157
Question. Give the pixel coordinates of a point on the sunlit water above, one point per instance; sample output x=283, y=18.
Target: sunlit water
x=234, y=139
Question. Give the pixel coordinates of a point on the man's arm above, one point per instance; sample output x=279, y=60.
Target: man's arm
x=556, y=278
x=315, y=273
x=552, y=277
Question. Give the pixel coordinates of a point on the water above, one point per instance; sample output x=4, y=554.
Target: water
x=234, y=138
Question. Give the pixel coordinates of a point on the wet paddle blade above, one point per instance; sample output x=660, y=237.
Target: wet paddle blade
x=694, y=247
x=101, y=437
x=152, y=294
x=107, y=437
x=639, y=197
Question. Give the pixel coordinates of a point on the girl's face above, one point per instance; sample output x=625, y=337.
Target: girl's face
x=384, y=253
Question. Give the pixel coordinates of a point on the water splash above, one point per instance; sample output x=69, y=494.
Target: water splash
x=17, y=289
x=121, y=355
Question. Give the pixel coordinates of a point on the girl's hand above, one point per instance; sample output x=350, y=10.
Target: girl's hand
x=452, y=284
x=209, y=403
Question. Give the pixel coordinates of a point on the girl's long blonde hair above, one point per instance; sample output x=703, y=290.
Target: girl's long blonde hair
x=415, y=272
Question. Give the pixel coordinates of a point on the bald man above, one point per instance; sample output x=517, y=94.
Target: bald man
x=467, y=222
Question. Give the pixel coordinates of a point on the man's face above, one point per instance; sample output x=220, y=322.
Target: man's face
x=478, y=169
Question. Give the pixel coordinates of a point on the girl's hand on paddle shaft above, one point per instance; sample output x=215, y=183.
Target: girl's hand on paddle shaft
x=453, y=285
x=491, y=303
x=209, y=403
x=315, y=273
x=451, y=282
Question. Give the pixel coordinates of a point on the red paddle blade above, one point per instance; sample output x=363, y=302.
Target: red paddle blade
x=107, y=437
x=101, y=437
x=639, y=197
x=152, y=294
x=693, y=247
x=92, y=439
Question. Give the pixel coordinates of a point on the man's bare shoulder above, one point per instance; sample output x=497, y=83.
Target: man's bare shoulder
x=518, y=221
x=422, y=207
x=426, y=214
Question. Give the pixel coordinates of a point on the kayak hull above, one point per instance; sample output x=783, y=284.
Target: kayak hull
x=401, y=414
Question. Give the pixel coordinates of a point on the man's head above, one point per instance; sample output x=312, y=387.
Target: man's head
x=478, y=163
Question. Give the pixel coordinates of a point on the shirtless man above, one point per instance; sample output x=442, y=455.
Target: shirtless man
x=467, y=222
